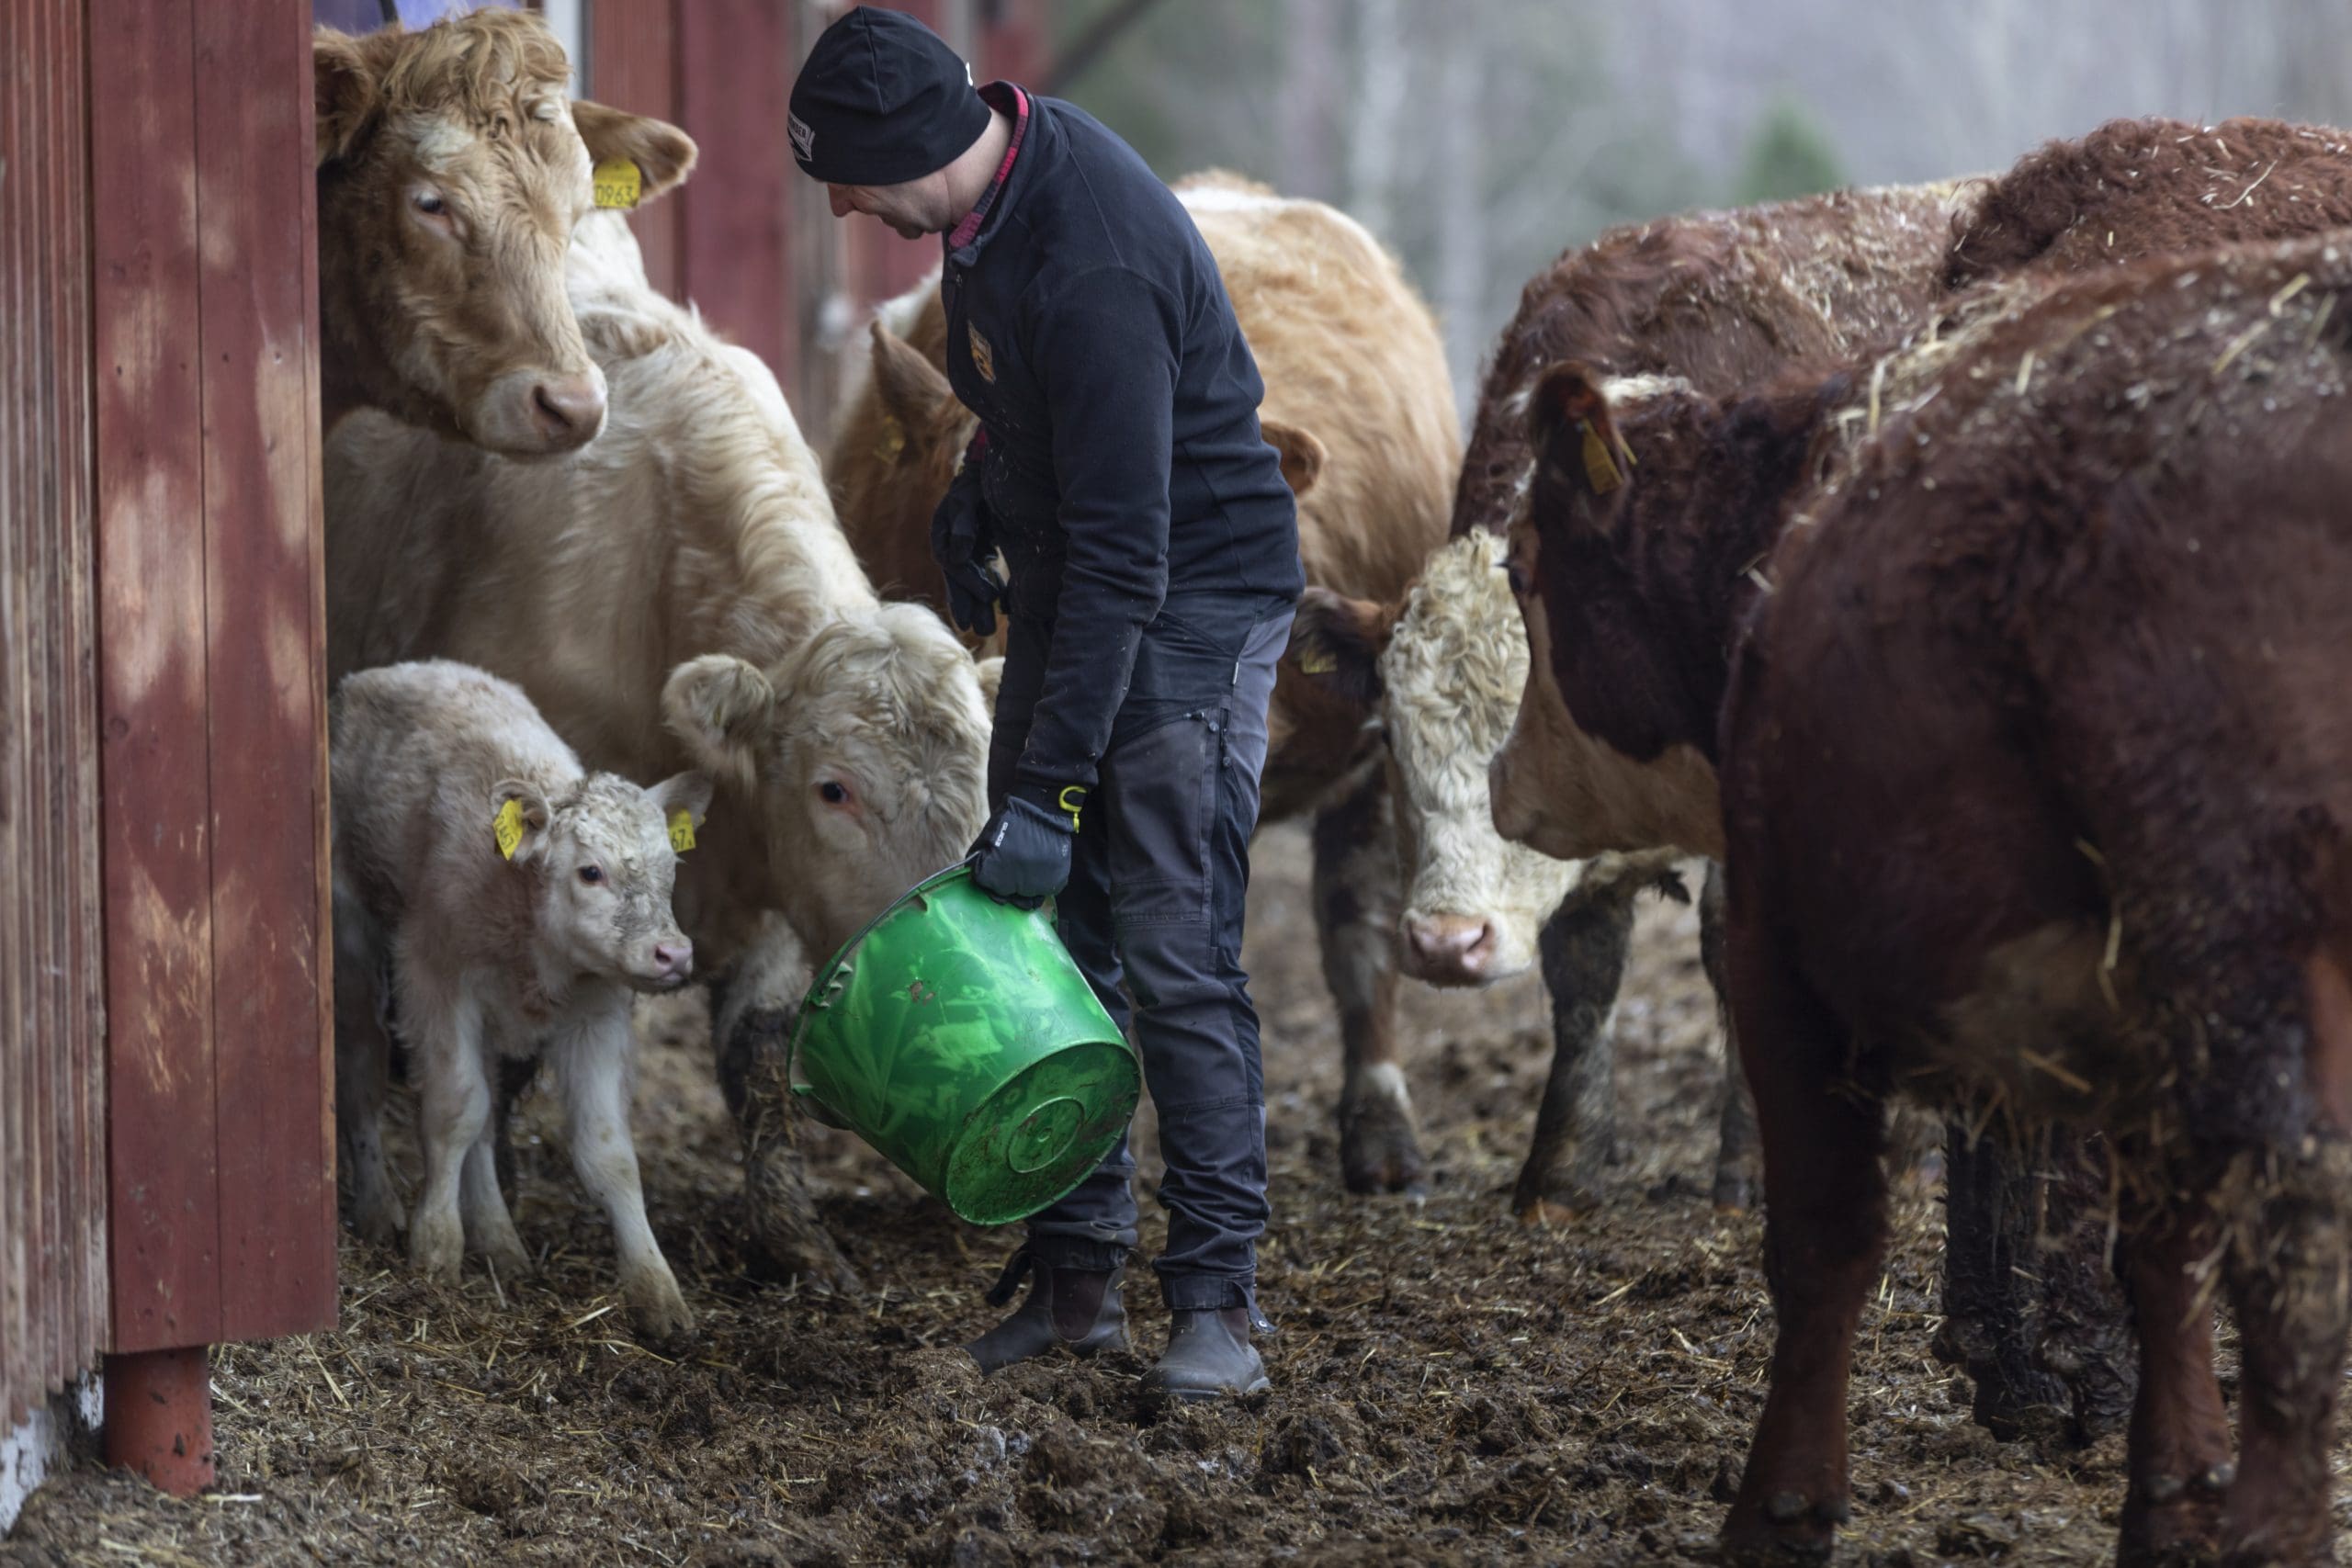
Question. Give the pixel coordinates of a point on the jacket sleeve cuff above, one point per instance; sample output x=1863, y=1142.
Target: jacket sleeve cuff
x=1065, y=802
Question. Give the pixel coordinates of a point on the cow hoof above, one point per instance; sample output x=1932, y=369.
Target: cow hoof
x=1735, y=1192
x=507, y=1255
x=377, y=1222
x=2166, y=1526
x=1555, y=1213
x=794, y=1244
x=436, y=1244
x=1378, y=1151
x=1754, y=1542
x=656, y=1307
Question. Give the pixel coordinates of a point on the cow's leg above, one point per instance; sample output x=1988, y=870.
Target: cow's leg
x=1825, y=1229
x=2287, y=1268
x=1583, y=947
x=490, y=1229
x=363, y=1056
x=1358, y=890
x=2086, y=1328
x=445, y=1035
x=1737, y=1159
x=595, y=1067
x=2032, y=1310
x=2178, y=1463
x=751, y=1017
x=2287, y=1279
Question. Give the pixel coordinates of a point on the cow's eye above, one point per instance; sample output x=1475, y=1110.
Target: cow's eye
x=430, y=203
x=1518, y=579
x=834, y=793
x=592, y=874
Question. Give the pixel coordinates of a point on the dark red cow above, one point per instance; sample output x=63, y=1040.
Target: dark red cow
x=2038, y=773
x=2070, y=649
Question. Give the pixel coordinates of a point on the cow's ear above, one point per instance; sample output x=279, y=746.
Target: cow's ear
x=720, y=708
x=1338, y=641
x=1302, y=455
x=344, y=90
x=518, y=820
x=688, y=792
x=1570, y=427
x=911, y=387
x=663, y=154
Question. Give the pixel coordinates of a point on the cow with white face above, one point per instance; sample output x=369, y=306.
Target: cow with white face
x=1714, y=299
x=1445, y=670
x=452, y=168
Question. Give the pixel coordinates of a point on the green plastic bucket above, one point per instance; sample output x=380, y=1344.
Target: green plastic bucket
x=956, y=1036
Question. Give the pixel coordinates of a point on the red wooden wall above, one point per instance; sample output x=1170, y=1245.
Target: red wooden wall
x=52, y=1141
x=211, y=671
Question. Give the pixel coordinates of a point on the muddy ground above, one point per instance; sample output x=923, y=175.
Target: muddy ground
x=1448, y=1385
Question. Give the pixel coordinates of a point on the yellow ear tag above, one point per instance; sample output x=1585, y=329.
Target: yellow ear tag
x=893, y=440
x=1599, y=467
x=682, y=830
x=1314, y=659
x=508, y=826
x=617, y=183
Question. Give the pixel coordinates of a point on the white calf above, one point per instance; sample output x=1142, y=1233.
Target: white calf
x=513, y=901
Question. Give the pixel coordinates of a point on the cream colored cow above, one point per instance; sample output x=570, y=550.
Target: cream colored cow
x=675, y=595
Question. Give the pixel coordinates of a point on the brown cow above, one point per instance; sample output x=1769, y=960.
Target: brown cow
x=2066, y=657
x=1359, y=404
x=2136, y=189
x=452, y=166
x=1717, y=300
x=1716, y=482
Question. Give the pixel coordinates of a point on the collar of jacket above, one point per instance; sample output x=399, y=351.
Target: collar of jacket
x=1040, y=144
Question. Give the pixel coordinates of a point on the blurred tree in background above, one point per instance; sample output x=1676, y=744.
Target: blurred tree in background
x=1787, y=156
x=1480, y=138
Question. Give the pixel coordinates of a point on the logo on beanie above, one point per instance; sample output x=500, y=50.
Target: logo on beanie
x=804, y=137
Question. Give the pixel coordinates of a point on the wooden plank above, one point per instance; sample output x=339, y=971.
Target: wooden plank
x=735, y=64
x=632, y=62
x=44, y=1344
x=17, y=894
x=156, y=816
x=77, y=696
x=49, y=1213
x=264, y=651
x=323, y=961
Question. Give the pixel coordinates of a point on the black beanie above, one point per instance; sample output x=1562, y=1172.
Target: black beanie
x=883, y=100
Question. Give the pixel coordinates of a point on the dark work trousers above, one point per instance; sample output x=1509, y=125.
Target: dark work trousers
x=1157, y=875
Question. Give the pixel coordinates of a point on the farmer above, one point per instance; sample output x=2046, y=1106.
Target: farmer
x=1152, y=553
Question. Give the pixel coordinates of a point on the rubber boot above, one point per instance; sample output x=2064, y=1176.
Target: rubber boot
x=1078, y=1308
x=1209, y=1355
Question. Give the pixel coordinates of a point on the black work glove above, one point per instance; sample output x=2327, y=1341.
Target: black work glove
x=1024, y=853
x=962, y=541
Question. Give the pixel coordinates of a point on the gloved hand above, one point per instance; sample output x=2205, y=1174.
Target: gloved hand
x=1022, y=856
x=961, y=542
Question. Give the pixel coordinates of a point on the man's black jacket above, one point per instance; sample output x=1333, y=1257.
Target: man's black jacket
x=1088, y=327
